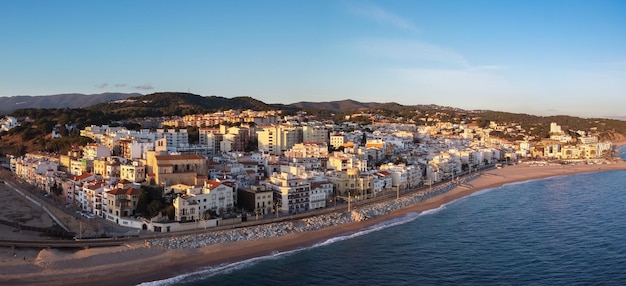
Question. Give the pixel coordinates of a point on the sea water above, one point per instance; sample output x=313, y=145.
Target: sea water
x=565, y=230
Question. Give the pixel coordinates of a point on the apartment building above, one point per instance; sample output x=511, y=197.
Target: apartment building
x=216, y=197
x=133, y=171
x=308, y=150
x=96, y=151
x=337, y=140
x=174, y=169
x=276, y=139
x=292, y=193
x=317, y=134
x=120, y=202
x=258, y=199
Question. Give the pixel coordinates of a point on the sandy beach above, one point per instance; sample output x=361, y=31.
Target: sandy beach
x=135, y=263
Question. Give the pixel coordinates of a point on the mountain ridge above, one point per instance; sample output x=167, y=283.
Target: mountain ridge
x=9, y=104
x=37, y=123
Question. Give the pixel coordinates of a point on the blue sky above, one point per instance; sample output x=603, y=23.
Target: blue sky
x=538, y=57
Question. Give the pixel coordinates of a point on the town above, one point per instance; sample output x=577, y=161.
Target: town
x=251, y=165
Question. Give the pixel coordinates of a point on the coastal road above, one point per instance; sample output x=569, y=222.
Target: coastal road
x=76, y=224
x=64, y=243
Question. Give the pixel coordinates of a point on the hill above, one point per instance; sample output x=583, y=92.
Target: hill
x=37, y=123
x=347, y=105
x=70, y=100
x=179, y=104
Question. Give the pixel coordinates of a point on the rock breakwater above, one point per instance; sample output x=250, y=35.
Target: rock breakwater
x=301, y=225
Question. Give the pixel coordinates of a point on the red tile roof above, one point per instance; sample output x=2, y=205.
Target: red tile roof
x=179, y=157
x=128, y=192
x=82, y=177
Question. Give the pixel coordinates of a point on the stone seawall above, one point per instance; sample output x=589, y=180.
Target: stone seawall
x=301, y=225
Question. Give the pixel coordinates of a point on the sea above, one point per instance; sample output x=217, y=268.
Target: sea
x=565, y=230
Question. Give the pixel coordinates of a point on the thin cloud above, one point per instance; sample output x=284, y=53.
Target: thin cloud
x=617, y=63
x=104, y=85
x=144, y=87
x=489, y=68
x=407, y=50
x=382, y=16
x=445, y=86
x=120, y=85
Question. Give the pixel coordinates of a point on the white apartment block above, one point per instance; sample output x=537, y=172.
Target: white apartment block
x=276, y=139
x=76, y=167
x=293, y=192
x=174, y=138
x=588, y=140
x=337, y=140
x=214, y=196
x=317, y=134
x=308, y=150
x=211, y=138
x=187, y=208
x=96, y=151
x=203, y=134
x=134, y=172
x=7, y=123
x=399, y=175
x=340, y=161
x=319, y=194
x=109, y=136
x=90, y=197
x=555, y=128
x=137, y=148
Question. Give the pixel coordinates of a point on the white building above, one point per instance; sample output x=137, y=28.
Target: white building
x=214, y=196
x=319, y=194
x=337, y=140
x=276, y=139
x=133, y=171
x=308, y=150
x=96, y=151
x=7, y=123
x=317, y=134
x=293, y=193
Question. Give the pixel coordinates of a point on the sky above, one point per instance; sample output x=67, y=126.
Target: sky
x=539, y=57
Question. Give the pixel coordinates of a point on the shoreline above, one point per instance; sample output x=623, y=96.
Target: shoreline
x=135, y=263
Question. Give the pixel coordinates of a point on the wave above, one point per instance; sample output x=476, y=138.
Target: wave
x=211, y=271
x=227, y=268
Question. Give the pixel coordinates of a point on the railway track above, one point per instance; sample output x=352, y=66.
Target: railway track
x=83, y=243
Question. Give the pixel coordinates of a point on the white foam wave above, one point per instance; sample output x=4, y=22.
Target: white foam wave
x=224, y=268
x=227, y=268
x=484, y=191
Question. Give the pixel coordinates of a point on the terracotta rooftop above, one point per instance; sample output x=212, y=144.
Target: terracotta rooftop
x=82, y=177
x=128, y=192
x=179, y=157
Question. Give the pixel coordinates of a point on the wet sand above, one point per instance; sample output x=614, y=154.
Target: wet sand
x=135, y=263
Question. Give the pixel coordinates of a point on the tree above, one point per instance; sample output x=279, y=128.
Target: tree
x=170, y=212
x=483, y=122
x=153, y=208
x=194, y=134
x=63, y=130
x=56, y=189
x=150, y=201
